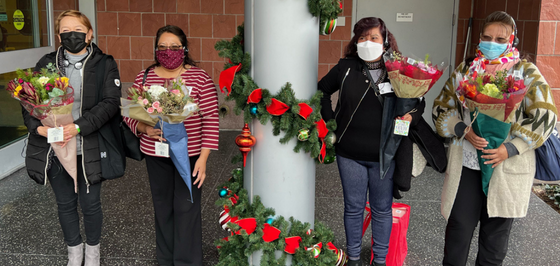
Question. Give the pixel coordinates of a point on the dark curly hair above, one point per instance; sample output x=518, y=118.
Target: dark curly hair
x=364, y=25
x=182, y=37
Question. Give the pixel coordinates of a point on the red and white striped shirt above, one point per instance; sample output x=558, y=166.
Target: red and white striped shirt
x=202, y=128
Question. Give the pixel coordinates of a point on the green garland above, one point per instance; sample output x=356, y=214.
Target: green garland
x=237, y=248
x=324, y=9
x=290, y=122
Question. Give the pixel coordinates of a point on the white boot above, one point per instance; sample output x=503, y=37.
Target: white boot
x=92, y=255
x=76, y=255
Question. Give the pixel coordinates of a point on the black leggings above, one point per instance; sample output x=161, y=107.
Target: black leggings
x=468, y=209
x=67, y=201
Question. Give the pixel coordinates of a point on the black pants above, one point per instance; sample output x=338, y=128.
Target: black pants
x=67, y=201
x=178, y=220
x=469, y=208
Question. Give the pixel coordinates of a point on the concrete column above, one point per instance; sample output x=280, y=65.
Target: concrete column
x=283, y=40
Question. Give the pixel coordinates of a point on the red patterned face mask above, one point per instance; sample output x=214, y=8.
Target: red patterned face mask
x=170, y=59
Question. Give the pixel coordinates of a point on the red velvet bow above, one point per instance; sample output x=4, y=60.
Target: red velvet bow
x=331, y=246
x=247, y=224
x=322, y=130
x=292, y=243
x=255, y=96
x=271, y=233
x=304, y=110
x=277, y=107
x=226, y=78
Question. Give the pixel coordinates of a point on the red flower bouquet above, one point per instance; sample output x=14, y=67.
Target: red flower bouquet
x=496, y=96
x=491, y=100
x=412, y=78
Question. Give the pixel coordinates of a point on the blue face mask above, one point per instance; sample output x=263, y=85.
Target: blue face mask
x=492, y=50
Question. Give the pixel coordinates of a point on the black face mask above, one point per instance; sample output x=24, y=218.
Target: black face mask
x=73, y=41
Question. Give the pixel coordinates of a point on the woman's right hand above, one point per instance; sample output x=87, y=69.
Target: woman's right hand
x=478, y=142
x=150, y=131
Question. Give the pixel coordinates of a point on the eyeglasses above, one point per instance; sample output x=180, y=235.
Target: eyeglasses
x=172, y=47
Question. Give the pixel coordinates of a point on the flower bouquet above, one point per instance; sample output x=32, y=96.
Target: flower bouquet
x=412, y=78
x=491, y=100
x=48, y=97
x=165, y=107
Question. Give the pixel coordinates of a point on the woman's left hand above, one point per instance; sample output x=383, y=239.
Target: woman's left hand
x=199, y=171
x=406, y=117
x=495, y=156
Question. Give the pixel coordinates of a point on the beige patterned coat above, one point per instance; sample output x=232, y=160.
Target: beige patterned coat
x=510, y=186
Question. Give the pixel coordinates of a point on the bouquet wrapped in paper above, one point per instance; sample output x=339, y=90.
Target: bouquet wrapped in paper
x=491, y=100
x=412, y=78
x=165, y=107
x=48, y=97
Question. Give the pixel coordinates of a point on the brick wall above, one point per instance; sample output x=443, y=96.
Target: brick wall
x=525, y=12
x=548, y=49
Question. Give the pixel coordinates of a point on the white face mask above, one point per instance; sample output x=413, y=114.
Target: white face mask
x=369, y=50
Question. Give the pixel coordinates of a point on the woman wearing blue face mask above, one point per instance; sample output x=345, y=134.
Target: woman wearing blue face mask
x=464, y=203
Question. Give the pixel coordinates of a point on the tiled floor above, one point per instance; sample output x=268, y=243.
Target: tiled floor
x=30, y=233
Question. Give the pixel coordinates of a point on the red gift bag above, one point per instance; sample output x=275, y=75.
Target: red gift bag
x=398, y=247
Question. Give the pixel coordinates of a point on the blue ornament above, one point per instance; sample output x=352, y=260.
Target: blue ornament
x=270, y=220
x=223, y=192
x=253, y=109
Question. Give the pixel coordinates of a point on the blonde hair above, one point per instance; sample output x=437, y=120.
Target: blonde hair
x=72, y=13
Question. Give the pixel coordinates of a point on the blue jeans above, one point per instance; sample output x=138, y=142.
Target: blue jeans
x=357, y=177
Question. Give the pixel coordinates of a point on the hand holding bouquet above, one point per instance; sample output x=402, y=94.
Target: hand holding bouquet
x=48, y=97
x=491, y=100
x=165, y=107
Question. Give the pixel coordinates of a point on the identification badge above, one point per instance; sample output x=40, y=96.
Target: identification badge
x=410, y=61
x=55, y=134
x=162, y=149
x=401, y=127
x=517, y=75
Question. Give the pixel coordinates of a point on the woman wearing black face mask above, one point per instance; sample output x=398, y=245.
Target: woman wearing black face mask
x=77, y=59
x=178, y=220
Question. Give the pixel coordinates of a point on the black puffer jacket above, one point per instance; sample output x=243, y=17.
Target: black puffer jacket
x=93, y=116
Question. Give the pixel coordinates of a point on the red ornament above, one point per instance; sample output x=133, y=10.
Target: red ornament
x=226, y=78
x=245, y=141
x=255, y=96
x=271, y=233
x=304, y=110
x=277, y=107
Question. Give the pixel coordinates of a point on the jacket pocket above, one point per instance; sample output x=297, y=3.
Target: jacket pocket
x=520, y=164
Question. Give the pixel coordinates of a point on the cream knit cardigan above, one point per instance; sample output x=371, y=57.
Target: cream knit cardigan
x=510, y=186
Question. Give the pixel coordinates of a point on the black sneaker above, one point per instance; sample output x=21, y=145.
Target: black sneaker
x=354, y=263
x=378, y=264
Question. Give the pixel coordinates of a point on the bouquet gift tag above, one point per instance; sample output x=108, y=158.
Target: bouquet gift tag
x=55, y=134
x=401, y=127
x=162, y=149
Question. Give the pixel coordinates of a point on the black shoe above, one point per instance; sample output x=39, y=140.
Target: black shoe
x=354, y=263
x=378, y=264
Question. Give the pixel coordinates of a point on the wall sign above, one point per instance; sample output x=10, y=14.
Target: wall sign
x=19, y=21
x=405, y=17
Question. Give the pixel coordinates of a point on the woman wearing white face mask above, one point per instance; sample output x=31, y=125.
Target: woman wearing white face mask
x=463, y=203
x=363, y=84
